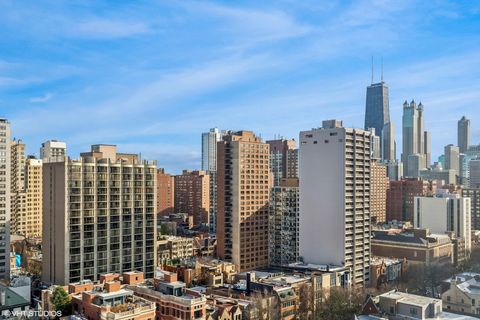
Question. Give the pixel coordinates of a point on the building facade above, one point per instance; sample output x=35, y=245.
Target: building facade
x=26, y=192
x=335, y=199
x=414, y=143
x=283, y=233
x=474, y=195
x=99, y=216
x=5, y=198
x=165, y=193
x=243, y=177
x=192, y=195
x=452, y=159
x=463, y=134
x=401, y=194
x=280, y=155
x=378, y=192
x=53, y=151
x=443, y=213
x=209, y=164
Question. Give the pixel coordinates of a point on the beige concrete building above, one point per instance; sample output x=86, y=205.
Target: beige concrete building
x=243, y=198
x=335, y=194
x=379, y=183
x=165, y=193
x=53, y=151
x=26, y=192
x=192, y=195
x=99, y=216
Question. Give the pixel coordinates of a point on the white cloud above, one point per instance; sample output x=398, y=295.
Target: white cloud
x=41, y=99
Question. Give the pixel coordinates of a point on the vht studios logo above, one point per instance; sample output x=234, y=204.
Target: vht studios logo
x=32, y=313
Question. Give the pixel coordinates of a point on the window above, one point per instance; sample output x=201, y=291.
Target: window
x=413, y=311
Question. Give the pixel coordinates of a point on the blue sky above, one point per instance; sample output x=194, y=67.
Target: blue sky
x=150, y=76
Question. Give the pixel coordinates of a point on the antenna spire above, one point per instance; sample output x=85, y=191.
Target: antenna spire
x=382, y=68
x=372, y=71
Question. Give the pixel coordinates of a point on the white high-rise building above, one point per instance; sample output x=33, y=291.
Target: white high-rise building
x=5, y=199
x=444, y=212
x=335, y=198
x=209, y=164
x=53, y=151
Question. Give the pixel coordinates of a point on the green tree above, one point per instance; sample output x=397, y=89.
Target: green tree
x=61, y=300
x=341, y=304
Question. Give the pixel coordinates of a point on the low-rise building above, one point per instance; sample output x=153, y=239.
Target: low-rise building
x=416, y=246
x=408, y=306
x=171, y=298
x=385, y=270
x=173, y=248
x=463, y=294
x=112, y=303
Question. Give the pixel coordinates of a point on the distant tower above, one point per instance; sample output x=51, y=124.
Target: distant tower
x=377, y=116
x=415, y=146
x=463, y=134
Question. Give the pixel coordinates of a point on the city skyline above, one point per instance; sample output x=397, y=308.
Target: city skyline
x=149, y=81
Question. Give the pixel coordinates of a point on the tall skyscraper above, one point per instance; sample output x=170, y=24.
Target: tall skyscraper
x=99, y=216
x=243, y=200
x=414, y=146
x=53, y=151
x=283, y=227
x=165, y=193
x=463, y=134
x=5, y=200
x=377, y=116
x=279, y=158
x=335, y=198
x=452, y=158
x=26, y=192
x=427, y=141
x=474, y=195
x=209, y=164
x=192, y=195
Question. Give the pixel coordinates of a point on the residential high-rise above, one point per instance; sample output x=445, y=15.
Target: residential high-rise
x=99, y=216
x=243, y=177
x=53, y=151
x=279, y=156
x=414, y=156
x=400, y=196
x=165, y=193
x=452, y=158
x=335, y=198
x=209, y=164
x=192, y=195
x=26, y=192
x=463, y=134
x=5, y=200
x=283, y=232
x=474, y=195
x=379, y=184
x=474, y=169
x=443, y=213
x=292, y=164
